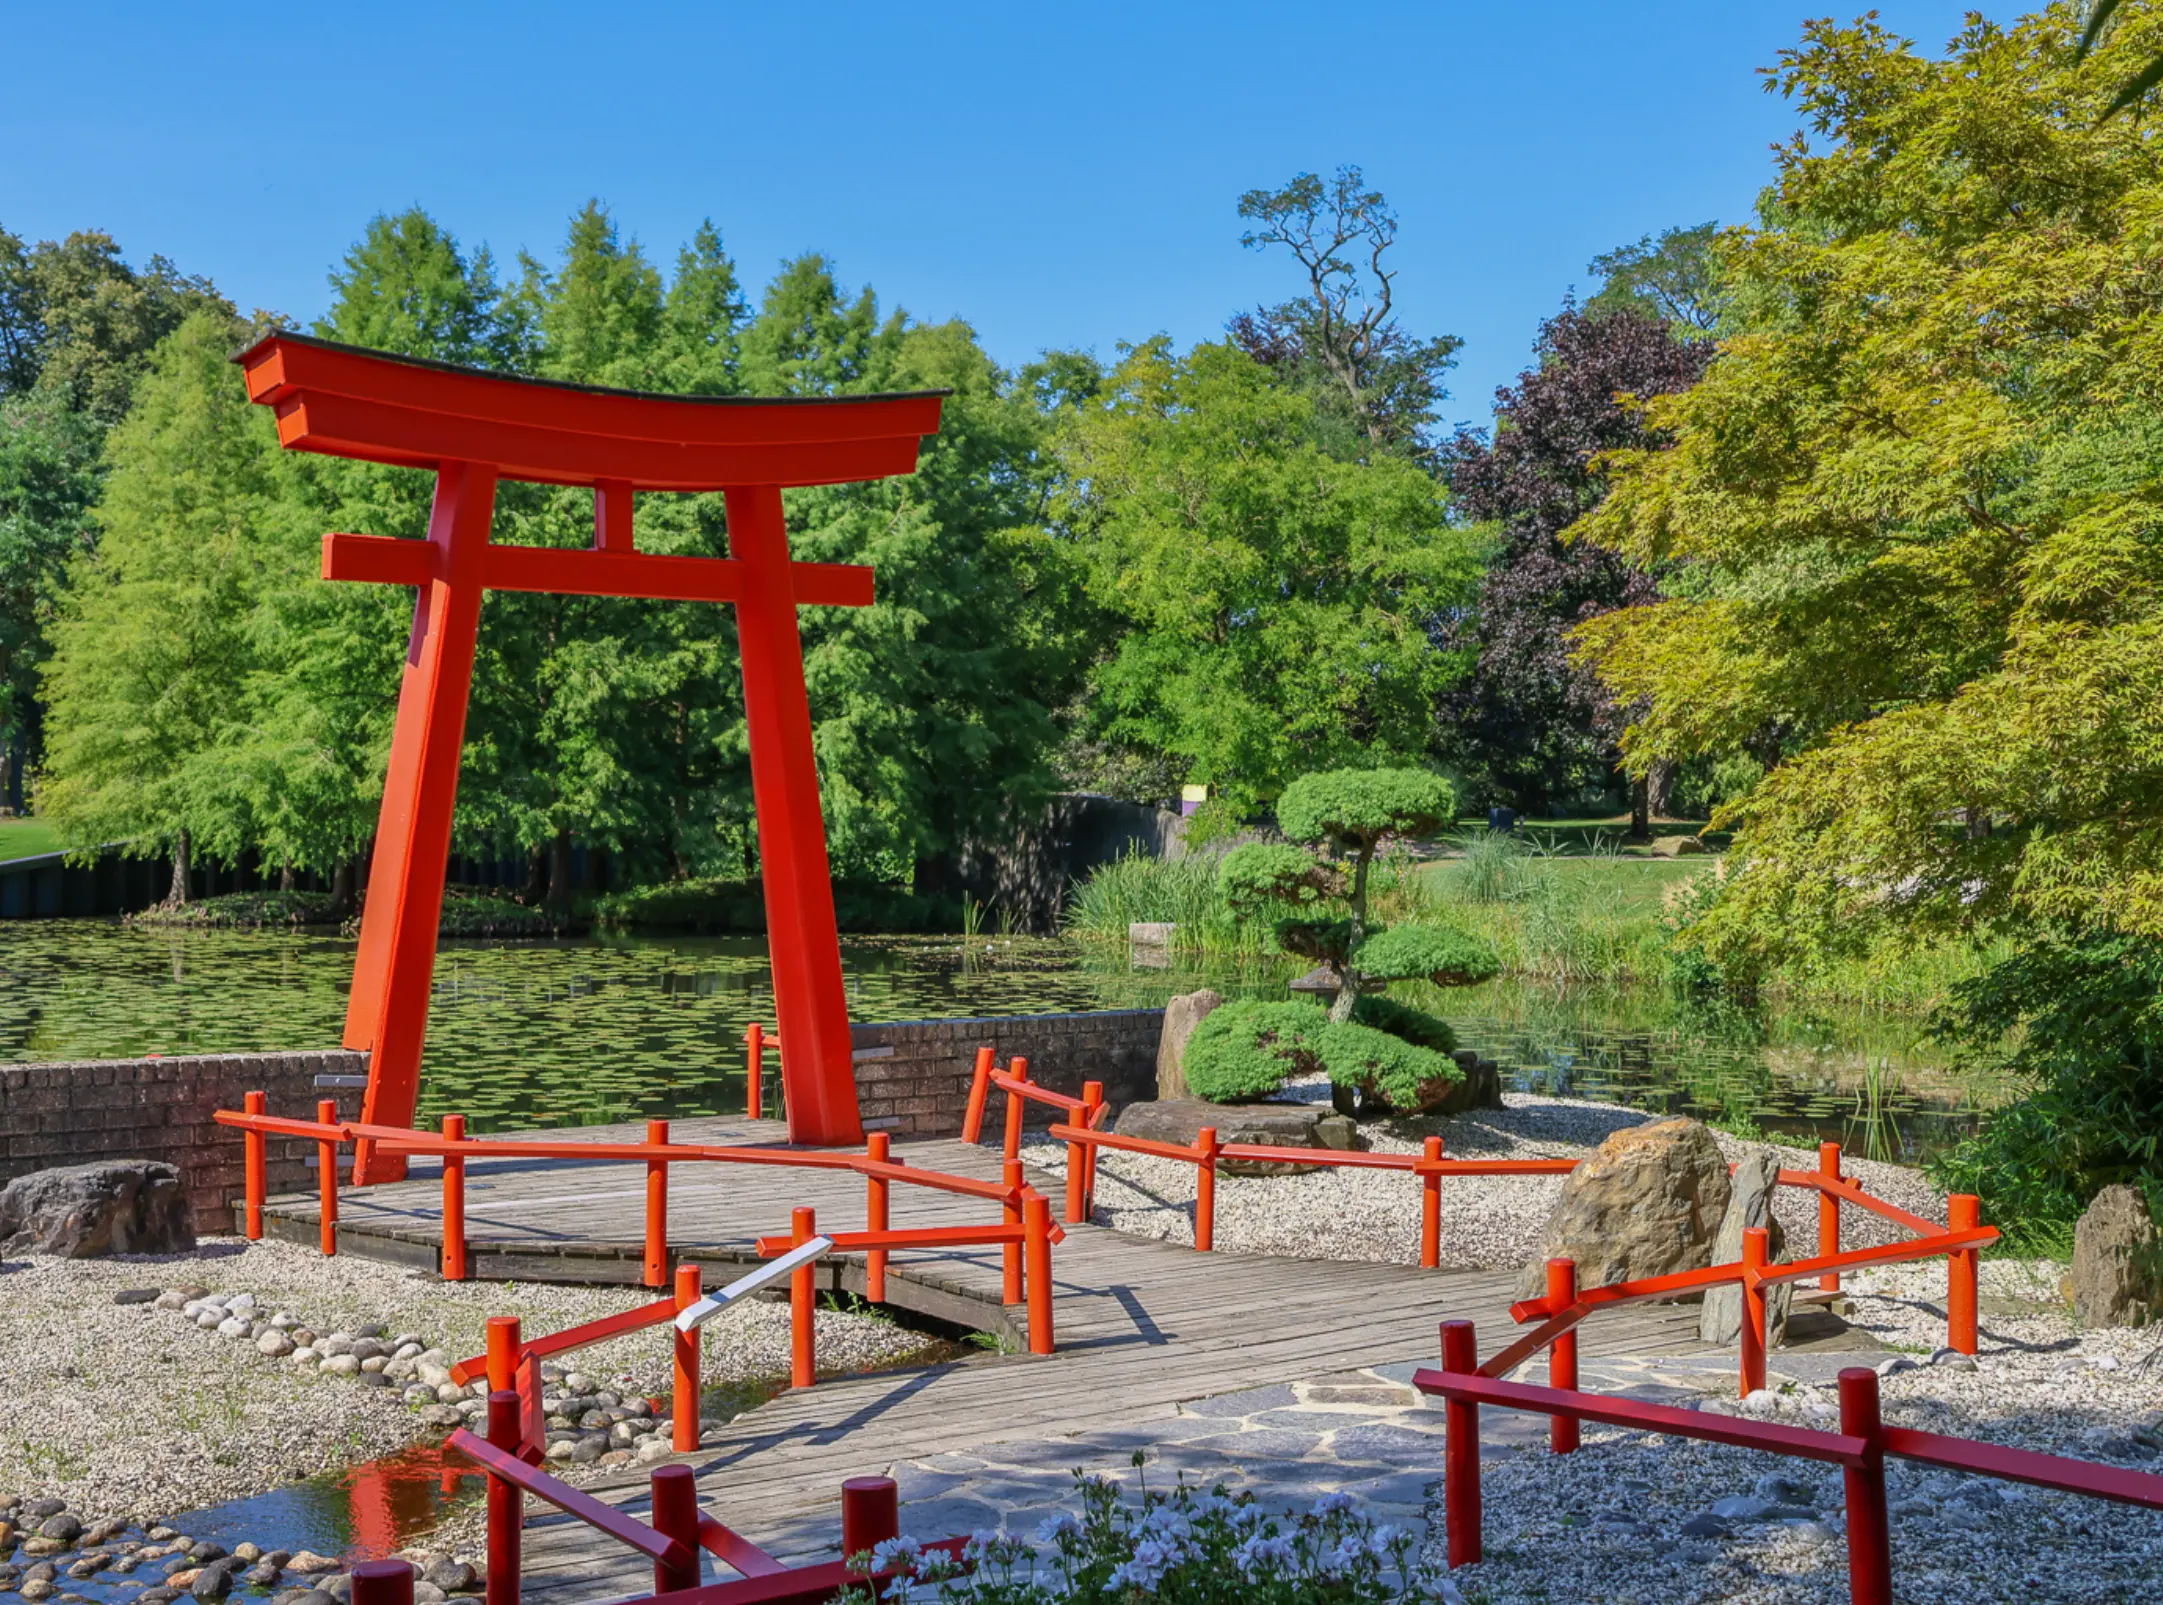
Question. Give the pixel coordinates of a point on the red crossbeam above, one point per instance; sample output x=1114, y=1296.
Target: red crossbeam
x=602, y=1517
x=1036, y=1092
x=2029, y=1466
x=734, y=1549
x=912, y=1237
x=804, y=1585
x=1616, y=1411
x=1849, y=1191
x=586, y=571
x=657, y=1313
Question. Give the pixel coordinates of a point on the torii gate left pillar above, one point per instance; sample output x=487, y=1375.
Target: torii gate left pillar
x=474, y=428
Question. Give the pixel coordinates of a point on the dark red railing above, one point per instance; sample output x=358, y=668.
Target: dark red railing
x=870, y=1514
x=1859, y=1448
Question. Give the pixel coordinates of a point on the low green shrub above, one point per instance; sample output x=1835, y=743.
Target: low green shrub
x=1415, y=1026
x=737, y=906
x=2080, y=1021
x=1246, y=1049
x=246, y=911
x=1400, y=1073
x=1427, y=953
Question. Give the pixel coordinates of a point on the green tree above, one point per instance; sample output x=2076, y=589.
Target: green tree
x=1342, y=341
x=1674, y=280
x=1919, y=511
x=48, y=481
x=152, y=655
x=1275, y=606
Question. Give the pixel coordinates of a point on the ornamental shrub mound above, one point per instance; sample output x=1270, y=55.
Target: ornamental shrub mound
x=1248, y=1049
x=1391, y=1054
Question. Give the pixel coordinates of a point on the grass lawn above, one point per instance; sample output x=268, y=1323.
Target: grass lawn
x=26, y=838
x=1628, y=887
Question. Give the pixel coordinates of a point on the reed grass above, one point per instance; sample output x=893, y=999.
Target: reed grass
x=1565, y=918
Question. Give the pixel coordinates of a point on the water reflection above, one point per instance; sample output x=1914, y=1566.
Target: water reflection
x=616, y=1028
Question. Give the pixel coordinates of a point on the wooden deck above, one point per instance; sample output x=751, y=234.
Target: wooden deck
x=1142, y=1326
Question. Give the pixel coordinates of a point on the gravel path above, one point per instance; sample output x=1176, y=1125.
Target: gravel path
x=1487, y=1221
x=1633, y=1518
x=133, y=1410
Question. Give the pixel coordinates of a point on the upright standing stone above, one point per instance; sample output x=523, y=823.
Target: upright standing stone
x=2117, y=1261
x=1647, y=1203
x=1181, y=1016
x=1749, y=1203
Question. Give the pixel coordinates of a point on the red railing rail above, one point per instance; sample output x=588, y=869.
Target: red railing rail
x=1089, y=1109
x=658, y=1153
x=1207, y=1152
x=1859, y=1448
x=870, y=1515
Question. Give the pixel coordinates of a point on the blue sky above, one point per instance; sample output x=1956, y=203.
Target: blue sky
x=1058, y=175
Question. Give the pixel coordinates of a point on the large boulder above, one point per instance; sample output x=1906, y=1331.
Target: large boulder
x=1270, y=1125
x=1647, y=1203
x=117, y=1206
x=1181, y=1016
x=2117, y=1261
x=1749, y=1203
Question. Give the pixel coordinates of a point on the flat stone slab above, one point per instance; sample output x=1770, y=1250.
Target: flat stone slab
x=1275, y=1125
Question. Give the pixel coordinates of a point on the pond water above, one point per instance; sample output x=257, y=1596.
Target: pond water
x=612, y=1028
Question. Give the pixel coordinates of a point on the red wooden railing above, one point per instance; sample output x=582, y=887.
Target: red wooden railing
x=757, y=1039
x=1859, y=1448
x=1020, y=1091
x=870, y=1515
x=1025, y=1231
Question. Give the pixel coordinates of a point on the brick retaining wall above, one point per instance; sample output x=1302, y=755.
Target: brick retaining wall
x=74, y=1113
x=912, y=1076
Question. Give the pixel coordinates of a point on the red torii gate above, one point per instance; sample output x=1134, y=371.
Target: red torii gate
x=473, y=428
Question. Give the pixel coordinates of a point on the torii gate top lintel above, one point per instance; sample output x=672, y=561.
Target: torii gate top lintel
x=473, y=428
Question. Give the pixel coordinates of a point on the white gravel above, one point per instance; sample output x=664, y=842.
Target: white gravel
x=1607, y=1524
x=130, y=1410
x=1487, y=1221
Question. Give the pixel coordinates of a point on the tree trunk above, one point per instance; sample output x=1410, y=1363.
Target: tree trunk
x=536, y=885
x=559, y=872
x=1978, y=822
x=342, y=881
x=285, y=877
x=1640, y=812
x=178, y=896
x=1660, y=788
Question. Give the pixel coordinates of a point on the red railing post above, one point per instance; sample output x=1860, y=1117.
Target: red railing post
x=1036, y=1223
x=1562, y=1431
x=506, y=1503
x=1077, y=1174
x=1430, y=1207
x=383, y=1582
x=684, y=1407
x=1963, y=1212
x=803, y=1350
x=754, y=1071
x=1205, y=1188
x=870, y=1514
x=1092, y=1112
x=257, y=1151
x=972, y=1122
x=504, y=1349
x=454, y=1202
x=657, y=1207
x=326, y=1114
x=878, y=1146
x=675, y=1515
x=1752, y=1344
x=1010, y=1288
x=1829, y=1213
x=1870, y=1558
x=1461, y=1451
x=1017, y=1068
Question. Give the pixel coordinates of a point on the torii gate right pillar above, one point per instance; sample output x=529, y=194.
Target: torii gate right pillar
x=804, y=943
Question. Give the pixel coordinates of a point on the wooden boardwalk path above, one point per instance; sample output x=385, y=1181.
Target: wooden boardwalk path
x=1142, y=1326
